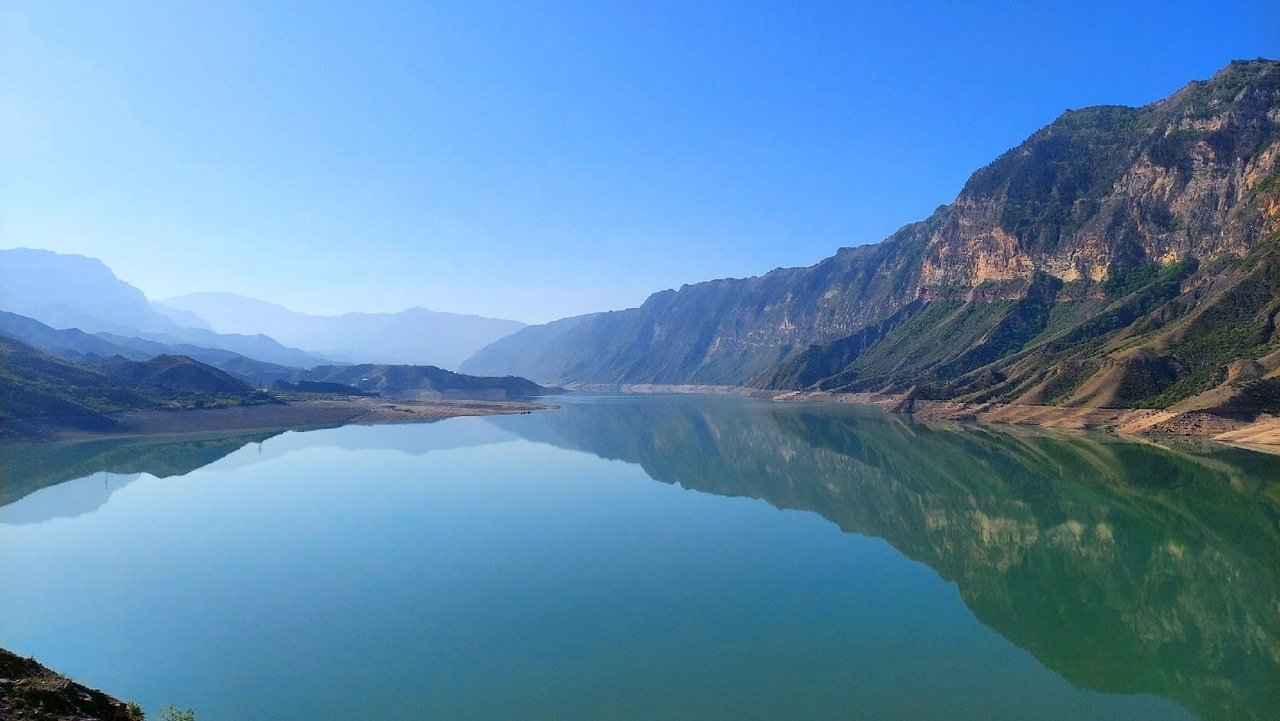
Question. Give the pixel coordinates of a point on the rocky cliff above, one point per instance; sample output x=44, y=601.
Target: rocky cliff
x=1118, y=257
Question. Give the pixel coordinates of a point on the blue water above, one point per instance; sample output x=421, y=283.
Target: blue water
x=608, y=560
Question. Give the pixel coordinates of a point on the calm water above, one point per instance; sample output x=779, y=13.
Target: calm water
x=651, y=558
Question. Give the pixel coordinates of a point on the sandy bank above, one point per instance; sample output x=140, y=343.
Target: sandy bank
x=298, y=414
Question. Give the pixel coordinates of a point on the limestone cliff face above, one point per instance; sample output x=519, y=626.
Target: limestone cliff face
x=1094, y=235
x=1114, y=186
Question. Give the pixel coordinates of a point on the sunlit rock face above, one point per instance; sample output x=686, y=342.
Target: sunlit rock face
x=1185, y=177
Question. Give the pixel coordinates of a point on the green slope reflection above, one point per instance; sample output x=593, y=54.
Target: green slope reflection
x=1125, y=567
x=29, y=467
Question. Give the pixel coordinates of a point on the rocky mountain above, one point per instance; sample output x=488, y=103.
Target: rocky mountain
x=1119, y=257
x=72, y=291
x=415, y=336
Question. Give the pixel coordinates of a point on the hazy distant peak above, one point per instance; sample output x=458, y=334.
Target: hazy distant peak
x=183, y=302
x=72, y=290
x=415, y=335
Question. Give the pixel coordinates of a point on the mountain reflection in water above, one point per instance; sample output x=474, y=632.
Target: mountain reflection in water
x=1125, y=567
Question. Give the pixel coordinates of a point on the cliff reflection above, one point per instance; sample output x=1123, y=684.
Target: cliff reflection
x=1125, y=567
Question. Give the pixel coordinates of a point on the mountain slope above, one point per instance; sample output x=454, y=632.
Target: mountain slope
x=1118, y=257
x=423, y=382
x=35, y=386
x=72, y=291
x=412, y=336
x=73, y=344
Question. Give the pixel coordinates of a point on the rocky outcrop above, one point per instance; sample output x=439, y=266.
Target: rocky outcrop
x=31, y=692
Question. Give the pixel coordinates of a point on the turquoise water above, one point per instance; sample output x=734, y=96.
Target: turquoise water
x=651, y=558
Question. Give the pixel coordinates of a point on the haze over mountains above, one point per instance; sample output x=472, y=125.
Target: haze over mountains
x=78, y=344
x=1119, y=257
x=415, y=335
x=71, y=291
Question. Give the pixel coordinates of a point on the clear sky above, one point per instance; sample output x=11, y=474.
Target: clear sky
x=537, y=160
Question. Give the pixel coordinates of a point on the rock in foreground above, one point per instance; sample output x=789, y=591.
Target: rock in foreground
x=31, y=692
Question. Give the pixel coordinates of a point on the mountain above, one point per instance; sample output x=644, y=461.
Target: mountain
x=146, y=373
x=423, y=382
x=184, y=318
x=414, y=336
x=1119, y=257
x=72, y=291
x=73, y=344
x=35, y=386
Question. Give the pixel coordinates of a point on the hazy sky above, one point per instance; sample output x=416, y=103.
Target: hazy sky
x=536, y=160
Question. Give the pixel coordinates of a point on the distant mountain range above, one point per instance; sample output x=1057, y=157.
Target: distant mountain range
x=414, y=336
x=69, y=377
x=78, y=344
x=73, y=344
x=72, y=291
x=37, y=386
x=1119, y=257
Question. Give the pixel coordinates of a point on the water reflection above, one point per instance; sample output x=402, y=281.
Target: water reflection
x=1125, y=567
x=98, y=469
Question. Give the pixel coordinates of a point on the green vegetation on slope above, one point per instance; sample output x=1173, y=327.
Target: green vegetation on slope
x=421, y=381
x=36, y=386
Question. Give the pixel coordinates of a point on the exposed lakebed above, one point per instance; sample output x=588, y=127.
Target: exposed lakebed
x=627, y=558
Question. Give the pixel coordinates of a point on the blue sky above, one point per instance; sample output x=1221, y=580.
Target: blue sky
x=537, y=160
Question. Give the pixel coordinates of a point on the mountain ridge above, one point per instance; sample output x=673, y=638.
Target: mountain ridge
x=1119, y=257
x=414, y=335
x=75, y=291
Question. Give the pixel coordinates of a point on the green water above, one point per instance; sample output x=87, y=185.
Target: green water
x=651, y=558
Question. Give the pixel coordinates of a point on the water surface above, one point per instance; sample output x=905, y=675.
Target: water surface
x=651, y=558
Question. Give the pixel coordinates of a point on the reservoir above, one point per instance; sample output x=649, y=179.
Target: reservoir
x=651, y=557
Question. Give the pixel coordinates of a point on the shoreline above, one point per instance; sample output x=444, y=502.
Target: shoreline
x=296, y=415
x=1261, y=433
